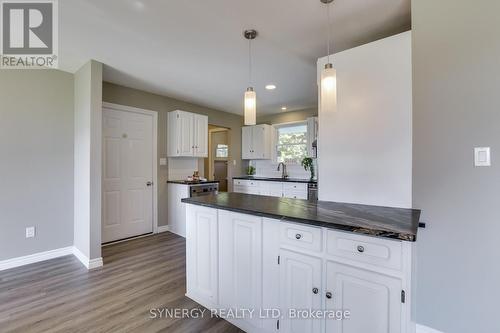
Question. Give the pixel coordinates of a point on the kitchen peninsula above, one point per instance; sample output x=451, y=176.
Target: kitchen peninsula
x=258, y=252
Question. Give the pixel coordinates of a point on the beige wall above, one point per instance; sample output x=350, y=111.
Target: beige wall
x=113, y=93
x=36, y=167
x=456, y=107
x=286, y=117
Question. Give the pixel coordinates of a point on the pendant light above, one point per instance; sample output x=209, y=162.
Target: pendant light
x=250, y=104
x=328, y=84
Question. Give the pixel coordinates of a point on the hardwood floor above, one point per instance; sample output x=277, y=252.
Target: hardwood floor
x=60, y=295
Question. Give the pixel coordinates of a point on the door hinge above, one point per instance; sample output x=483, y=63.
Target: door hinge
x=278, y=324
x=278, y=260
x=403, y=296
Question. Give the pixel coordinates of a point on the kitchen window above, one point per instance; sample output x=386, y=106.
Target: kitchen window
x=222, y=151
x=291, y=142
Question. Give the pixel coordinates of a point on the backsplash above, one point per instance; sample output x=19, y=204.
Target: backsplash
x=268, y=168
x=181, y=168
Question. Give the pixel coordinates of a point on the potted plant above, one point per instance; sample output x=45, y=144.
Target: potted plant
x=308, y=165
x=250, y=170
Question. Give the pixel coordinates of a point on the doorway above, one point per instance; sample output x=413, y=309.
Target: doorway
x=129, y=139
x=216, y=165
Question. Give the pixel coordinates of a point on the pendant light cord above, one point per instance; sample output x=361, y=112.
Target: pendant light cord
x=250, y=62
x=328, y=32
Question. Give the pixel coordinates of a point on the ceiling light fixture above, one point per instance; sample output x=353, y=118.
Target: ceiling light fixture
x=271, y=87
x=250, y=101
x=283, y=108
x=328, y=93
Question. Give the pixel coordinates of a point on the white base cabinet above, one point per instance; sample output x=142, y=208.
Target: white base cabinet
x=202, y=255
x=300, y=285
x=240, y=261
x=176, y=210
x=290, y=190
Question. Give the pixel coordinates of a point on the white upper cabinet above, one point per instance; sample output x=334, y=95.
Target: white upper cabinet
x=256, y=142
x=187, y=134
x=200, y=135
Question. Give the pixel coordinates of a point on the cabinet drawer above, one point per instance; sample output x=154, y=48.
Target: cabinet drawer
x=245, y=182
x=295, y=187
x=370, y=250
x=301, y=236
x=295, y=194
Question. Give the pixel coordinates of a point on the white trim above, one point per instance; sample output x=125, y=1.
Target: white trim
x=163, y=228
x=425, y=329
x=154, y=114
x=88, y=263
x=36, y=257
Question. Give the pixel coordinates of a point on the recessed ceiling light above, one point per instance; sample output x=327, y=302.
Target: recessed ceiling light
x=283, y=108
x=139, y=5
x=270, y=87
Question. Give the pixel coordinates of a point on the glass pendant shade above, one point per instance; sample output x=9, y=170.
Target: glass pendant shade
x=328, y=97
x=250, y=107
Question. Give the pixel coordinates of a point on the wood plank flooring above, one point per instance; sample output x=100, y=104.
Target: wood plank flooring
x=60, y=295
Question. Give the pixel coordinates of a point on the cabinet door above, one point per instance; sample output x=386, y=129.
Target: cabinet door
x=373, y=299
x=240, y=260
x=201, y=254
x=259, y=141
x=200, y=136
x=185, y=133
x=300, y=288
x=246, y=143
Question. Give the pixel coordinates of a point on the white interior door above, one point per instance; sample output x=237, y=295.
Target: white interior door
x=127, y=174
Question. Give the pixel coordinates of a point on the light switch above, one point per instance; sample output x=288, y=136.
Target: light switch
x=30, y=232
x=163, y=161
x=482, y=156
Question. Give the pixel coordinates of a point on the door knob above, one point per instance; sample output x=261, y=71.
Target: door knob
x=361, y=249
x=328, y=295
x=315, y=290
x=149, y=183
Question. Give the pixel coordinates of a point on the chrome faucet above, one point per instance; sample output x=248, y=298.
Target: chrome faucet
x=283, y=170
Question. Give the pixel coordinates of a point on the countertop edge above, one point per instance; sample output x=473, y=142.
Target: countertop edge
x=285, y=180
x=356, y=230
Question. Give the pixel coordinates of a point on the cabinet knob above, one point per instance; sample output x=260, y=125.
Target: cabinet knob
x=298, y=236
x=328, y=295
x=361, y=249
x=315, y=290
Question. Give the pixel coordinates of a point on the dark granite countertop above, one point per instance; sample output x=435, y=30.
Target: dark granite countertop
x=396, y=223
x=270, y=179
x=192, y=182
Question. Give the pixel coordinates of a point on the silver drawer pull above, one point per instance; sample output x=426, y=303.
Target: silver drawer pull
x=298, y=236
x=361, y=248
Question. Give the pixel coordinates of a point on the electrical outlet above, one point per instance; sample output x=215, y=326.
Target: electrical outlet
x=30, y=232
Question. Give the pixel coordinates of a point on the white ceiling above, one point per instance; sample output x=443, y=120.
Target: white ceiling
x=194, y=49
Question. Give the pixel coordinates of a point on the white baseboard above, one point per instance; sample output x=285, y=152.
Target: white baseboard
x=36, y=257
x=88, y=263
x=163, y=228
x=425, y=329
